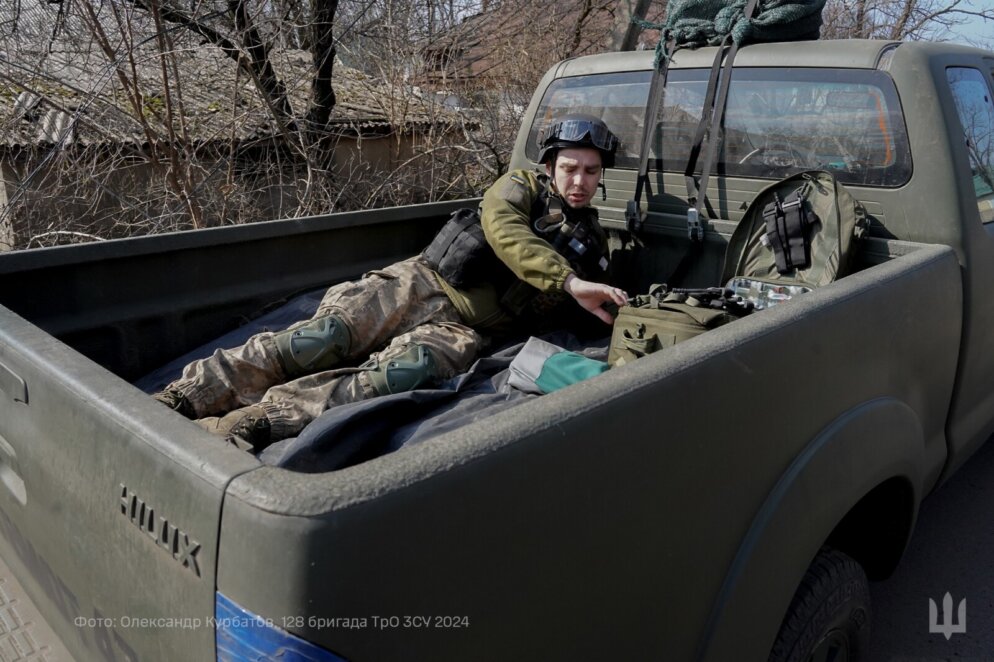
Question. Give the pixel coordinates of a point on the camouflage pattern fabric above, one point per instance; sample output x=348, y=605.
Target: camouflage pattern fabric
x=386, y=310
x=696, y=23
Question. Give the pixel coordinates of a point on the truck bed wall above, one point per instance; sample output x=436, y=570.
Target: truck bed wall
x=544, y=468
x=133, y=305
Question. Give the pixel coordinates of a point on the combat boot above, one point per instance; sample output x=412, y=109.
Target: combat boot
x=177, y=402
x=247, y=428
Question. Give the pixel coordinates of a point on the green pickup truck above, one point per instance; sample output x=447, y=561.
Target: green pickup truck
x=725, y=498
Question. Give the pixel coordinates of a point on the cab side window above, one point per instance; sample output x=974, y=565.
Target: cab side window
x=976, y=114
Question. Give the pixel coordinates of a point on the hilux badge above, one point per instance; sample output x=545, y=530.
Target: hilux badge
x=175, y=541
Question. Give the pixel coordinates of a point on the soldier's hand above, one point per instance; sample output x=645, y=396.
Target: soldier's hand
x=591, y=296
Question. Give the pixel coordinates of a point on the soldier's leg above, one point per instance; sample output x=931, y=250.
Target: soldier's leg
x=226, y=380
x=354, y=319
x=386, y=303
x=233, y=378
x=420, y=358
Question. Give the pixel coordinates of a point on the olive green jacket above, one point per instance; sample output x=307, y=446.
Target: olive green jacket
x=505, y=214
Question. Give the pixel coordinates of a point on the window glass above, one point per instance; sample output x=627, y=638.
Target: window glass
x=777, y=121
x=618, y=98
x=976, y=114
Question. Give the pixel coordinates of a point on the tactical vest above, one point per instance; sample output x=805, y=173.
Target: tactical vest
x=461, y=255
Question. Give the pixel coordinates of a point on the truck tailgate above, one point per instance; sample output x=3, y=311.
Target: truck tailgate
x=109, y=522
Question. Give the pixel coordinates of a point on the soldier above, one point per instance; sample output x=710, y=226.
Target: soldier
x=420, y=321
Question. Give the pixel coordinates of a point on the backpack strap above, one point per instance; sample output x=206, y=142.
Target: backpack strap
x=787, y=221
x=705, y=128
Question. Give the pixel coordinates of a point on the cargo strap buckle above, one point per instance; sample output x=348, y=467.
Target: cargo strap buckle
x=695, y=228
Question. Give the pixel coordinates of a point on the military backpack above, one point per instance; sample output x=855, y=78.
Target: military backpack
x=797, y=234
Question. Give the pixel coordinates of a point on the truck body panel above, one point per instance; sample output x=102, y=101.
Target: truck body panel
x=105, y=494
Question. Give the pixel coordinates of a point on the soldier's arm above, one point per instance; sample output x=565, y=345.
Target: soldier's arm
x=592, y=296
x=504, y=214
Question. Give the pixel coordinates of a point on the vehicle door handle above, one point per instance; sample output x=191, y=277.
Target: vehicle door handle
x=13, y=385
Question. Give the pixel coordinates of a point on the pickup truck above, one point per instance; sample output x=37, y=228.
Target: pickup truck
x=726, y=498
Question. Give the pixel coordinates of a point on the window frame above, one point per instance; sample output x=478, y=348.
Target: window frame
x=894, y=175
x=984, y=199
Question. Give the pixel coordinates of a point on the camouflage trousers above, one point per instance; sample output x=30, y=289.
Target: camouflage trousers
x=385, y=311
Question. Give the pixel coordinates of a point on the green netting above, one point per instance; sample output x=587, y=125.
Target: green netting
x=695, y=23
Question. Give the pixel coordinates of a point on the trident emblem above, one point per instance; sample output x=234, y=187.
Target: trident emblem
x=947, y=628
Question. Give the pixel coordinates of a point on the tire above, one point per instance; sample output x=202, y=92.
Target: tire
x=829, y=617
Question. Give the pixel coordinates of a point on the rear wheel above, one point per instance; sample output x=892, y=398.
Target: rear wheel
x=829, y=616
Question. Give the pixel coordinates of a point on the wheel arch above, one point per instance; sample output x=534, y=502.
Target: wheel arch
x=876, y=530
x=865, y=463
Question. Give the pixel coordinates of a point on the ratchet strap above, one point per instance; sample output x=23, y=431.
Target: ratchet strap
x=709, y=129
x=634, y=216
x=706, y=139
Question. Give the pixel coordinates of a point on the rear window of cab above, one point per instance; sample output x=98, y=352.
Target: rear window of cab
x=777, y=121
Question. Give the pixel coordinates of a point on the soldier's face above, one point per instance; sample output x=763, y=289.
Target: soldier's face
x=576, y=172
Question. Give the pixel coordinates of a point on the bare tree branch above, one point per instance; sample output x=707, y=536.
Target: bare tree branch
x=323, y=51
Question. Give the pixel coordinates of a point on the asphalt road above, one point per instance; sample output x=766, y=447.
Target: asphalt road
x=951, y=550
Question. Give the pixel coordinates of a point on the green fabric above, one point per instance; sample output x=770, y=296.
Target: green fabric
x=478, y=306
x=696, y=23
x=565, y=368
x=505, y=215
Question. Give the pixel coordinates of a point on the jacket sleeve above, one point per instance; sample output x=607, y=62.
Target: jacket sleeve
x=505, y=215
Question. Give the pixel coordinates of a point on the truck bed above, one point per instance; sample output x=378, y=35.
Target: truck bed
x=508, y=536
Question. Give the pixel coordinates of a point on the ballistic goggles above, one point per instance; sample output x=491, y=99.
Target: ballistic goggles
x=583, y=131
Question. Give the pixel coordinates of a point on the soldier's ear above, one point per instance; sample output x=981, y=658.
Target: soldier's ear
x=548, y=166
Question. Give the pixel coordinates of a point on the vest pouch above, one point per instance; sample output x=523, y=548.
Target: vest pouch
x=639, y=331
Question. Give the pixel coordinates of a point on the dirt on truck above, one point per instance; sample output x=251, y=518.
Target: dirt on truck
x=726, y=497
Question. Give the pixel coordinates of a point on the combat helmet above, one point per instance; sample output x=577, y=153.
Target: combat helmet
x=578, y=131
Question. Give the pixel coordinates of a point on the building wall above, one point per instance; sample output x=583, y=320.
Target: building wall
x=80, y=195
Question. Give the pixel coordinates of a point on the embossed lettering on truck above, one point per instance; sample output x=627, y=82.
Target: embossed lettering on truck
x=174, y=540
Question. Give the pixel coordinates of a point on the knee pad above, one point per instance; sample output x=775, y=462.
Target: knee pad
x=405, y=372
x=319, y=345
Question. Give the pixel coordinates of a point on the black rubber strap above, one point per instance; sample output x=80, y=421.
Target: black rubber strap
x=704, y=123
x=786, y=230
x=715, y=131
x=712, y=118
x=657, y=87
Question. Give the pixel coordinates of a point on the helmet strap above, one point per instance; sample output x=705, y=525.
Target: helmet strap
x=550, y=164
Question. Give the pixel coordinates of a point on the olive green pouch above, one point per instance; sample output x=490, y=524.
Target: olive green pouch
x=655, y=325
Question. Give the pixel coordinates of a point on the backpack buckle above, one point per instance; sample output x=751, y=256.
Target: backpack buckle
x=695, y=229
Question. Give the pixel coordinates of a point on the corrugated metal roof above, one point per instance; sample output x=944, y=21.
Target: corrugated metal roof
x=77, y=98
